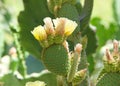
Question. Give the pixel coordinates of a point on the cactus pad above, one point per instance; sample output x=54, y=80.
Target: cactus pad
x=55, y=58
x=109, y=79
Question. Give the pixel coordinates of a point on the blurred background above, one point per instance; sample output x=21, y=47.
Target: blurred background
x=104, y=20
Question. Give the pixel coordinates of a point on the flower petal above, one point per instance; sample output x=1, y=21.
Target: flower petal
x=39, y=33
x=69, y=27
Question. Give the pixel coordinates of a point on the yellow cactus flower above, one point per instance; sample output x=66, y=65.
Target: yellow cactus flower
x=39, y=33
x=59, y=25
x=69, y=27
x=36, y=83
x=64, y=26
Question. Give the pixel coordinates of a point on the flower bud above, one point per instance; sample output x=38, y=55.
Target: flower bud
x=69, y=27
x=48, y=26
x=59, y=26
x=13, y=52
x=79, y=77
x=116, y=45
x=39, y=33
x=59, y=30
x=109, y=62
x=78, y=48
x=109, y=58
x=115, y=48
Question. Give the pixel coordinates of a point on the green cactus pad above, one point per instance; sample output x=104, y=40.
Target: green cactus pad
x=55, y=58
x=109, y=79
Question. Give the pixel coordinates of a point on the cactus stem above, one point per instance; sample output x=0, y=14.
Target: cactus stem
x=74, y=66
x=75, y=62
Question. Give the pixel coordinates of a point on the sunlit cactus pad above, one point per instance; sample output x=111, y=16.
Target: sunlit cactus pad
x=109, y=79
x=55, y=59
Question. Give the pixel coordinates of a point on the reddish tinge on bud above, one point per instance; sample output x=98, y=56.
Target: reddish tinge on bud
x=59, y=26
x=13, y=52
x=48, y=25
x=116, y=47
x=109, y=57
x=78, y=48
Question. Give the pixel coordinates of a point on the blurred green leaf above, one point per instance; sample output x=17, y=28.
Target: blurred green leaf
x=103, y=33
x=117, y=35
x=47, y=77
x=85, y=14
x=1, y=42
x=32, y=16
x=91, y=62
x=11, y=80
x=92, y=40
x=69, y=11
x=13, y=64
x=78, y=7
x=116, y=9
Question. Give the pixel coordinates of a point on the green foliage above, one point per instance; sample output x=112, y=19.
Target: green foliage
x=103, y=33
x=116, y=7
x=92, y=40
x=1, y=42
x=47, y=77
x=64, y=11
x=116, y=10
x=11, y=80
x=85, y=14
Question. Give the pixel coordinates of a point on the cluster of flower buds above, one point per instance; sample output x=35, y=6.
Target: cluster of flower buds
x=112, y=59
x=54, y=31
x=74, y=75
x=36, y=83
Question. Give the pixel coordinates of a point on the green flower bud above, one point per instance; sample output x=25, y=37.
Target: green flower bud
x=79, y=77
x=112, y=60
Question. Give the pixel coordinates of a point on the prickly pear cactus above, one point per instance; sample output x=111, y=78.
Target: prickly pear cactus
x=56, y=55
x=52, y=37
x=110, y=76
x=55, y=58
x=109, y=79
